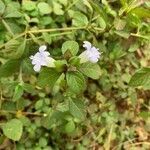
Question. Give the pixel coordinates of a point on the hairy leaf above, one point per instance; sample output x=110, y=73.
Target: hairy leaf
x=13, y=129
x=141, y=78
x=10, y=67
x=91, y=70
x=75, y=81
x=48, y=77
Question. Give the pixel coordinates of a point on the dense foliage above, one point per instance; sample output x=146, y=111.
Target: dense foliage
x=74, y=105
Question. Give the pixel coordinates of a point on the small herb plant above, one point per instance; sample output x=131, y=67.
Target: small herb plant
x=73, y=68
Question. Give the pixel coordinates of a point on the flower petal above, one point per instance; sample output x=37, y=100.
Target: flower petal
x=93, y=59
x=37, y=68
x=31, y=57
x=42, y=58
x=87, y=45
x=91, y=53
x=46, y=53
x=42, y=48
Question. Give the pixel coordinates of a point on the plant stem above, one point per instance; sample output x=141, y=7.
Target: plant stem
x=138, y=35
x=41, y=31
x=56, y=29
x=24, y=113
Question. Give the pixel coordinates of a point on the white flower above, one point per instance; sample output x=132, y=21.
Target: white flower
x=42, y=58
x=91, y=53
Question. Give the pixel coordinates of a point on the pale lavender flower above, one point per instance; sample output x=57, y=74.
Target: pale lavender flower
x=42, y=58
x=91, y=53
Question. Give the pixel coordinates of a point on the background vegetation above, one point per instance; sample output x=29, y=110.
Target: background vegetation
x=114, y=110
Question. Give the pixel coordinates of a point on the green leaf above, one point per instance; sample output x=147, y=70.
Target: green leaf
x=48, y=77
x=47, y=37
x=9, y=105
x=20, y=50
x=18, y=92
x=119, y=24
x=25, y=120
x=13, y=129
x=52, y=119
x=75, y=61
x=117, y=52
x=145, y=115
x=76, y=110
x=27, y=67
x=70, y=126
x=29, y=88
x=63, y=107
x=141, y=78
x=2, y=7
x=72, y=46
x=57, y=8
x=44, y=8
x=133, y=20
x=10, y=67
x=12, y=47
x=99, y=9
x=101, y=22
x=64, y=2
x=91, y=70
x=12, y=11
x=75, y=81
x=124, y=3
x=21, y=104
x=122, y=34
x=141, y=12
x=43, y=142
x=60, y=65
x=29, y=5
x=39, y=104
x=79, y=19
x=133, y=47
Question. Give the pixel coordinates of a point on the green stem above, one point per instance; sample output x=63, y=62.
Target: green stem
x=24, y=113
x=41, y=31
x=138, y=35
x=98, y=29
x=56, y=29
x=52, y=35
x=60, y=34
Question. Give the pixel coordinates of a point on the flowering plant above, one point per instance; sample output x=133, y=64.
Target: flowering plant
x=76, y=67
